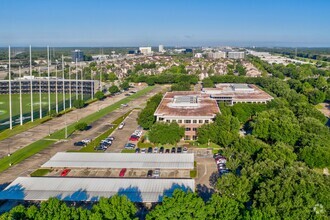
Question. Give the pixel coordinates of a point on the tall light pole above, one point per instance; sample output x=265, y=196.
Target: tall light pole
x=63, y=83
x=56, y=94
x=70, y=89
x=20, y=96
x=92, y=86
x=76, y=80
x=48, y=79
x=10, y=107
x=40, y=100
x=81, y=83
x=31, y=86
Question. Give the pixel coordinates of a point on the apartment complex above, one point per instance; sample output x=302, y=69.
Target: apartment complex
x=232, y=93
x=145, y=50
x=226, y=54
x=189, y=109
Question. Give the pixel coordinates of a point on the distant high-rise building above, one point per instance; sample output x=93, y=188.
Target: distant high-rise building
x=217, y=55
x=145, y=50
x=77, y=54
x=236, y=55
x=161, y=49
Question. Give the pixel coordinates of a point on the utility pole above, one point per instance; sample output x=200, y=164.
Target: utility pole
x=76, y=80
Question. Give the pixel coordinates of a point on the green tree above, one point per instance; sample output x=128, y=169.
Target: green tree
x=181, y=86
x=124, y=85
x=115, y=207
x=99, y=95
x=113, y=89
x=112, y=77
x=222, y=207
x=78, y=103
x=81, y=126
x=166, y=133
x=208, y=83
x=182, y=205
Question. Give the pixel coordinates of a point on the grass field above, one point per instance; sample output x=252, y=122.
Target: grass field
x=26, y=103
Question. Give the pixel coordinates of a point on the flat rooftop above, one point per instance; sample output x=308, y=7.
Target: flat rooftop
x=187, y=103
x=238, y=92
x=120, y=160
x=91, y=189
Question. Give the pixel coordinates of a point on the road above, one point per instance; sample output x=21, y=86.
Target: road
x=34, y=162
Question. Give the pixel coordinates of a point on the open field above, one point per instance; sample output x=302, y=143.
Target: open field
x=26, y=106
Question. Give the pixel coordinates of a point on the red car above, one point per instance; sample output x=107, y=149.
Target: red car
x=65, y=172
x=134, y=138
x=122, y=172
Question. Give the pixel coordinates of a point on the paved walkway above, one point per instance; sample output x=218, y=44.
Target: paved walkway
x=43, y=130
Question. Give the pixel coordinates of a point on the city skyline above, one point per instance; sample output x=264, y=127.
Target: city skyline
x=149, y=23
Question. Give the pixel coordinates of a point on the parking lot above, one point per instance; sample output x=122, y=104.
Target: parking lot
x=130, y=173
x=122, y=135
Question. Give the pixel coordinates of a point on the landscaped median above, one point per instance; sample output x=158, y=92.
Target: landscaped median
x=42, y=144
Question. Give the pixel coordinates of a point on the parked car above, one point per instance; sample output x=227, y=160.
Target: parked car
x=124, y=105
x=185, y=150
x=221, y=166
x=143, y=151
x=137, y=133
x=79, y=144
x=156, y=150
x=86, y=141
x=167, y=151
x=65, y=172
x=122, y=172
x=129, y=146
x=134, y=138
x=111, y=138
x=99, y=148
x=179, y=150
x=161, y=150
x=156, y=173
x=137, y=150
x=173, y=150
x=149, y=149
x=127, y=94
x=121, y=126
x=149, y=174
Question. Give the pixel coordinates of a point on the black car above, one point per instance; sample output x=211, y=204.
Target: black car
x=173, y=150
x=150, y=150
x=149, y=174
x=79, y=144
x=161, y=150
x=179, y=150
x=167, y=151
x=137, y=150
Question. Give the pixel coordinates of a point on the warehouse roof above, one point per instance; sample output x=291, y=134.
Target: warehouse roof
x=119, y=160
x=91, y=189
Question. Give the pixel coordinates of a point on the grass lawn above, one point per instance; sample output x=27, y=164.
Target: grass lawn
x=40, y=172
x=24, y=153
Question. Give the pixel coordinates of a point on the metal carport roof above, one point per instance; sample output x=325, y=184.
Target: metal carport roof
x=122, y=160
x=91, y=189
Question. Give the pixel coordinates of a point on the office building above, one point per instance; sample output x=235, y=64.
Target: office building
x=188, y=109
x=77, y=54
x=232, y=93
x=217, y=55
x=145, y=50
x=236, y=55
x=161, y=49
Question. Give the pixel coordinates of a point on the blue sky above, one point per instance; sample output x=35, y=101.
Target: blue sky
x=168, y=22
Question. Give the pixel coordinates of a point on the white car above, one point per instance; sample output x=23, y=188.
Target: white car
x=143, y=150
x=121, y=126
x=156, y=150
x=156, y=173
x=86, y=141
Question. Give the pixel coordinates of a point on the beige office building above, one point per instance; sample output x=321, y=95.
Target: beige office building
x=188, y=109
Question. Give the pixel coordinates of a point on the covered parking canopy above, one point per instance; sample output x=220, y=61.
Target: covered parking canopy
x=91, y=189
x=121, y=160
